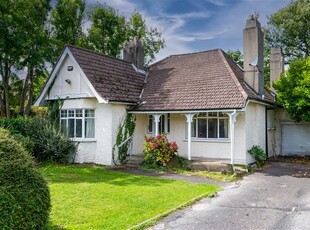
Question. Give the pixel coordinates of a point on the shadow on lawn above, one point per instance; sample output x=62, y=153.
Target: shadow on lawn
x=99, y=175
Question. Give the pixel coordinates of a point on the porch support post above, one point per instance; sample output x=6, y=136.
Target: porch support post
x=189, y=119
x=232, y=120
x=156, y=120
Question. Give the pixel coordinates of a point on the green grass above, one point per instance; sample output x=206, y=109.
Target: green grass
x=91, y=197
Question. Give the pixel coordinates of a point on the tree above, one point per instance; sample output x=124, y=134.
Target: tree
x=67, y=24
x=293, y=89
x=108, y=31
x=290, y=28
x=150, y=37
x=22, y=35
x=237, y=56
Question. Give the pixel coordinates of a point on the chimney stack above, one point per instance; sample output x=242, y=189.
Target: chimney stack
x=253, y=54
x=133, y=52
x=276, y=64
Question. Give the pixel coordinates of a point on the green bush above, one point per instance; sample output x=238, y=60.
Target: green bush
x=258, y=154
x=158, y=151
x=24, y=194
x=42, y=138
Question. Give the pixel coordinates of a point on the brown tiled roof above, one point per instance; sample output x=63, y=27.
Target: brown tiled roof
x=196, y=81
x=113, y=79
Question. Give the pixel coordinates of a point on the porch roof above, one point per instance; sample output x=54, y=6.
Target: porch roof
x=208, y=80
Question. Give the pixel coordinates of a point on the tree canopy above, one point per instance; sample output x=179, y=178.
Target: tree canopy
x=33, y=33
x=293, y=89
x=290, y=28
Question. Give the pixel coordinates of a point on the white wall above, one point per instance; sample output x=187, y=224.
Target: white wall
x=107, y=117
x=61, y=87
x=255, y=119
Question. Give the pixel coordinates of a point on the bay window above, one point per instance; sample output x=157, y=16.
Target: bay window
x=212, y=125
x=79, y=123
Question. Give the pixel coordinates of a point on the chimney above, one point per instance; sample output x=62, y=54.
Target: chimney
x=253, y=55
x=276, y=64
x=133, y=52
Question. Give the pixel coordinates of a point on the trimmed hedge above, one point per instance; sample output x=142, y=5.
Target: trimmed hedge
x=24, y=194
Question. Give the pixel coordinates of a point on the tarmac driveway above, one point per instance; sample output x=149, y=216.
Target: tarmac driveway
x=276, y=198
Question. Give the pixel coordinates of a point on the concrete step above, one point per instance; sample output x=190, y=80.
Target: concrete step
x=135, y=160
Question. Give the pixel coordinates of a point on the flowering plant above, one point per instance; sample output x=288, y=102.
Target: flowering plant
x=158, y=151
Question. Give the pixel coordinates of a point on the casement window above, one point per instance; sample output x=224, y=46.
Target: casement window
x=211, y=125
x=163, y=125
x=79, y=123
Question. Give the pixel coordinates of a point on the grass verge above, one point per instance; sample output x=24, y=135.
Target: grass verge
x=90, y=197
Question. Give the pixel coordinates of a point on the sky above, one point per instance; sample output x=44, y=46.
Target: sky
x=197, y=25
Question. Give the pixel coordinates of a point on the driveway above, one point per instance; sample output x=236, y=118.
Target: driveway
x=276, y=198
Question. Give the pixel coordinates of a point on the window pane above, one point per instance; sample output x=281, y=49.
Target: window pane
x=202, y=128
x=150, y=124
x=89, y=113
x=212, y=114
x=79, y=113
x=70, y=113
x=63, y=113
x=202, y=115
x=89, y=128
x=63, y=125
x=212, y=128
x=223, y=128
x=71, y=127
x=78, y=128
x=161, y=125
x=168, y=123
x=194, y=127
x=223, y=115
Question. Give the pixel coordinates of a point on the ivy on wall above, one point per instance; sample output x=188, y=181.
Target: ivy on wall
x=123, y=141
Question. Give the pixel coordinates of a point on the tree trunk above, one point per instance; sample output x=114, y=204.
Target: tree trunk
x=24, y=94
x=5, y=80
x=2, y=107
x=30, y=94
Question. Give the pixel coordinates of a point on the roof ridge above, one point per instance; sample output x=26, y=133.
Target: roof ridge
x=96, y=52
x=183, y=54
x=232, y=74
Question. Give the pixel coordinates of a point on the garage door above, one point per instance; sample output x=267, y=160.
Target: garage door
x=295, y=139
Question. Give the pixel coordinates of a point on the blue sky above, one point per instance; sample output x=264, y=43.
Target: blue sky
x=197, y=25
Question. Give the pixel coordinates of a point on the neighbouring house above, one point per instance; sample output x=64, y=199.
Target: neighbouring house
x=204, y=101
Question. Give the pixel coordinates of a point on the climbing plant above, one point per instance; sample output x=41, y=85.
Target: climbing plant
x=120, y=149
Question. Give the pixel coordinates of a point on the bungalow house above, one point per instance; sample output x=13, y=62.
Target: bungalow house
x=204, y=101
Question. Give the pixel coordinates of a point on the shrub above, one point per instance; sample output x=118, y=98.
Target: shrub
x=158, y=151
x=258, y=154
x=50, y=142
x=42, y=138
x=24, y=194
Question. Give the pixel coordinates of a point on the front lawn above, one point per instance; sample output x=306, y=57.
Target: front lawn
x=91, y=197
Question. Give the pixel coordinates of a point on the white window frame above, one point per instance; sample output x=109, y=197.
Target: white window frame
x=83, y=118
x=210, y=115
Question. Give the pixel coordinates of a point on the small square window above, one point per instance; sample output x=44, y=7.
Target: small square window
x=63, y=113
x=70, y=113
x=89, y=113
x=79, y=113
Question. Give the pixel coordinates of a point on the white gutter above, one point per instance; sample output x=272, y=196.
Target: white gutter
x=186, y=111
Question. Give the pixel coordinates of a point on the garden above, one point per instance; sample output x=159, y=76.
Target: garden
x=41, y=189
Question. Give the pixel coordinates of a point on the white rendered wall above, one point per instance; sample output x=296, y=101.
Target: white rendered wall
x=255, y=128
x=77, y=84
x=107, y=116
